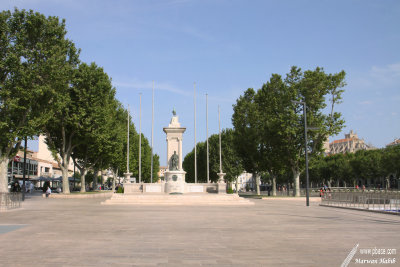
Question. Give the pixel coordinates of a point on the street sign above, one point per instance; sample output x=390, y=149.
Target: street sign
x=17, y=158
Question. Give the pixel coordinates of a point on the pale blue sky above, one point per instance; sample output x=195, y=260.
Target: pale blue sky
x=228, y=46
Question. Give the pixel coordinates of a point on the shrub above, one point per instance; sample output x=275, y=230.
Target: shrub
x=229, y=191
x=120, y=190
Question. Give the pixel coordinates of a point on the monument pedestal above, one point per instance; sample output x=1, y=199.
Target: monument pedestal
x=174, y=181
x=221, y=189
x=133, y=188
x=127, y=178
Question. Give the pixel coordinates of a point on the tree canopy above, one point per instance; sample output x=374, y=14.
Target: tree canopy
x=35, y=56
x=367, y=167
x=269, y=126
x=45, y=89
x=231, y=162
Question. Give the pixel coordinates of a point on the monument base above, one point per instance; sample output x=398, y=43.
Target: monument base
x=132, y=188
x=177, y=200
x=221, y=183
x=221, y=189
x=127, y=178
x=174, y=182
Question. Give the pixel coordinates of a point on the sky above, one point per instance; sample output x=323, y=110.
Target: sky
x=226, y=47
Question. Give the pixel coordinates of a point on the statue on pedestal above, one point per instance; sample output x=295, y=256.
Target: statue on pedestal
x=173, y=163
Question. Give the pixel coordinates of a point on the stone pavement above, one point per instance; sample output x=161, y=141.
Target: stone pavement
x=273, y=232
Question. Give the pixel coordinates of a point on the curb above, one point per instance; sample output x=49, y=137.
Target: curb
x=65, y=196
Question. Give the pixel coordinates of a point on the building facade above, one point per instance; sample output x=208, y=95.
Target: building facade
x=40, y=165
x=350, y=144
x=394, y=143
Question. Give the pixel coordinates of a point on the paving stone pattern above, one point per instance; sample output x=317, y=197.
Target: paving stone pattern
x=278, y=232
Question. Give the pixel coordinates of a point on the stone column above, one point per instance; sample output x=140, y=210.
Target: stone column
x=180, y=153
x=167, y=154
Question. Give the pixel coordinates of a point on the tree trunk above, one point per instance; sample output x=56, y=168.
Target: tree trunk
x=256, y=178
x=237, y=185
x=65, y=180
x=95, y=172
x=296, y=178
x=113, y=183
x=274, y=186
x=3, y=174
x=83, y=172
x=64, y=169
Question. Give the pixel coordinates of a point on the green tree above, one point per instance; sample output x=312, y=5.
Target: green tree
x=311, y=87
x=97, y=99
x=247, y=139
x=146, y=162
x=368, y=166
x=391, y=160
x=269, y=100
x=231, y=162
x=35, y=57
x=156, y=167
x=278, y=129
x=79, y=117
x=134, y=156
x=116, y=160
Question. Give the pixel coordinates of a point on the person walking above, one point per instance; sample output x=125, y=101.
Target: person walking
x=48, y=192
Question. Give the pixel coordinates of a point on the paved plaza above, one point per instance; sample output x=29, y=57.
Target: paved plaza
x=273, y=232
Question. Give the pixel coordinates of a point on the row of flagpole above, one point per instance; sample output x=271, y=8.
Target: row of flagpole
x=152, y=134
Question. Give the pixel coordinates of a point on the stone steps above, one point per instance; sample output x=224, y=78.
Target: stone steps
x=178, y=200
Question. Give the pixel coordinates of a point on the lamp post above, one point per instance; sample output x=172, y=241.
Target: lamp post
x=24, y=170
x=305, y=147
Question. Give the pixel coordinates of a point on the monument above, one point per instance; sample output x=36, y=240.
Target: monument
x=174, y=175
x=174, y=190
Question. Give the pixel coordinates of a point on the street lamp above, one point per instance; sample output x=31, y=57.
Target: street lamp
x=24, y=170
x=305, y=146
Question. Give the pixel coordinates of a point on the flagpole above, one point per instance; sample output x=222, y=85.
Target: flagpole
x=152, y=131
x=208, y=164
x=195, y=151
x=127, y=146
x=140, y=137
x=219, y=129
x=221, y=181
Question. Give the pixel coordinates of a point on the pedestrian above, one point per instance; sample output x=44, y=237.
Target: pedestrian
x=31, y=188
x=17, y=187
x=48, y=191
